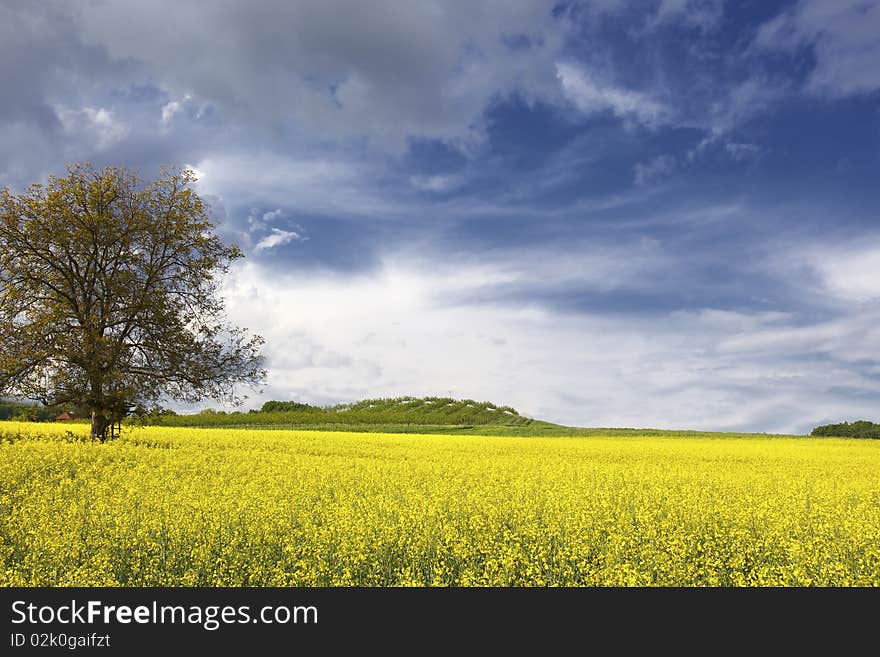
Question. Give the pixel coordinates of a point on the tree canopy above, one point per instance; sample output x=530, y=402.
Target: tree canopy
x=109, y=295
x=857, y=429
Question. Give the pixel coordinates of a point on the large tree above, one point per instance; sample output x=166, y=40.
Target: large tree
x=109, y=295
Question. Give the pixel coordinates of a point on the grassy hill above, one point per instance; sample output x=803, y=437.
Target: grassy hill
x=398, y=414
x=438, y=415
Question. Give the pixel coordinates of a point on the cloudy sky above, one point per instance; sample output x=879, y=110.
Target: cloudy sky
x=646, y=214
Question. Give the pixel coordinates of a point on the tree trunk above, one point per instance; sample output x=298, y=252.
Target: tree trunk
x=97, y=406
x=99, y=426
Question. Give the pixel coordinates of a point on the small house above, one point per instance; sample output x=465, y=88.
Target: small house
x=61, y=417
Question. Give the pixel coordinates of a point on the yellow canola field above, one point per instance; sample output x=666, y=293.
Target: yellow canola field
x=209, y=507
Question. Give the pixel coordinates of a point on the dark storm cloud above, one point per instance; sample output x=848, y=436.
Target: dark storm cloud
x=381, y=70
x=44, y=68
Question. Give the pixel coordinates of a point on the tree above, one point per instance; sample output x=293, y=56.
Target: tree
x=109, y=295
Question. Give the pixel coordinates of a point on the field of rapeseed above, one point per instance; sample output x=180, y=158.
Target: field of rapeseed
x=166, y=506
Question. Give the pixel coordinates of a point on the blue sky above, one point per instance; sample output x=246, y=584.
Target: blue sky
x=645, y=214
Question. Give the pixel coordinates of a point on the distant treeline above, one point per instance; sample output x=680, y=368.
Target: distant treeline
x=13, y=410
x=397, y=411
x=858, y=429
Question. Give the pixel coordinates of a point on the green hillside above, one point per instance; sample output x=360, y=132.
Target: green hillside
x=429, y=415
x=426, y=415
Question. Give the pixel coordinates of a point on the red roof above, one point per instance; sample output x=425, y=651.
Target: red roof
x=64, y=416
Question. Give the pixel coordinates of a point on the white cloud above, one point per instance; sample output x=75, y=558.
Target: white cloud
x=717, y=141
x=660, y=167
x=399, y=330
x=705, y=14
x=591, y=96
x=742, y=151
x=260, y=223
x=97, y=124
x=850, y=272
x=745, y=100
x=171, y=108
x=321, y=184
x=168, y=112
x=277, y=238
x=843, y=36
x=435, y=183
